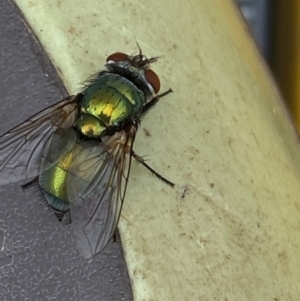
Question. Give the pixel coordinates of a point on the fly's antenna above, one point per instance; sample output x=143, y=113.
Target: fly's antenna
x=143, y=60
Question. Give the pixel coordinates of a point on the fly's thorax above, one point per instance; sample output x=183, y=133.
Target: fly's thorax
x=135, y=75
x=110, y=100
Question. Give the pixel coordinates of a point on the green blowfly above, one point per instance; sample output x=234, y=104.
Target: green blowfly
x=80, y=149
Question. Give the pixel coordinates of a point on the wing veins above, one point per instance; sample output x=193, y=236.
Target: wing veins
x=21, y=147
x=96, y=213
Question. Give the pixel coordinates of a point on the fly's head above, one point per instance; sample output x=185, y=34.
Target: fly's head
x=136, y=68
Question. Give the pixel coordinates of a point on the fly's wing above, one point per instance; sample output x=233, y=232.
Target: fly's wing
x=96, y=190
x=21, y=147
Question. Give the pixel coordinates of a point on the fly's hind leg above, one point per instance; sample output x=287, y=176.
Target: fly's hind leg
x=143, y=162
x=26, y=185
x=115, y=238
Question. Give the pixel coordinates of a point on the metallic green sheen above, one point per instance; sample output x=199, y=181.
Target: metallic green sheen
x=109, y=100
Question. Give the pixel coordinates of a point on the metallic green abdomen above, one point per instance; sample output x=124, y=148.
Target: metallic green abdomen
x=61, y=156
x=53, y=181
x=108, y=101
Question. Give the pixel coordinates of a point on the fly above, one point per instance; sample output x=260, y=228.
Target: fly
x=80, y=148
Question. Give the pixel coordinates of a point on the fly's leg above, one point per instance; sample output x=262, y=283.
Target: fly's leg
x=116, y=236
x=154, y=101
x=139, y=159
x=26, y=185
x=142, y=161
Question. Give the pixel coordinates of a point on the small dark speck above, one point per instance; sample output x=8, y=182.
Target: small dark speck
x=184, y=191
x=258, y=225
x=207, y=132
x=147, y=132
x=212, y=185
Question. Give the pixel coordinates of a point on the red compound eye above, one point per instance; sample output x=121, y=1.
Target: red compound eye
x=152, y=79
x=117, y=57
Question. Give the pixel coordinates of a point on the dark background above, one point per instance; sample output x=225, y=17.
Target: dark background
x=38, y=256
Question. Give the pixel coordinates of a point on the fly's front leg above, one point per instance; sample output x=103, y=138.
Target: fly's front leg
x=154, y=101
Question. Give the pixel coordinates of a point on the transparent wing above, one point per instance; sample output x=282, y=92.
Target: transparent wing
x=21, y=147
x=96, y=189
